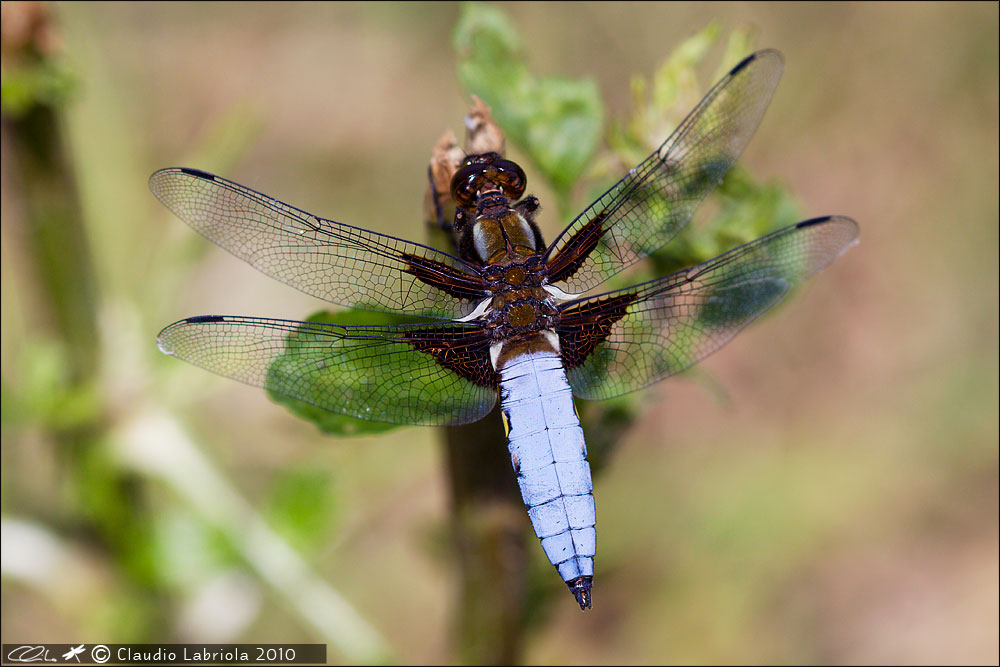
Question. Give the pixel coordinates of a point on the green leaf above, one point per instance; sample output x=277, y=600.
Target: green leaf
x=557, y=121
x=745, y=210
x=727, y=307
x=739, y=45
x=328, y=422
x=675, y=79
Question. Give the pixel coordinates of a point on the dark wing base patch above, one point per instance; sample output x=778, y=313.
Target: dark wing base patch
x=571, y=256
x=448, y=279
x=586, y=325
x=469, y=358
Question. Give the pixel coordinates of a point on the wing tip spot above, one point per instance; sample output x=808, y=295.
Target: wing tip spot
x=757, y=55
x=850, y=225
x=743, y=63
x=198, y=173
x=813, y=221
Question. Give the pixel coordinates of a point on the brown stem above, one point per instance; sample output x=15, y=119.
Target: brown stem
x=489, y=527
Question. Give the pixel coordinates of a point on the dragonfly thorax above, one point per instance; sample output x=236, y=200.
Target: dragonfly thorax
x=502, y=237
x=518, y=312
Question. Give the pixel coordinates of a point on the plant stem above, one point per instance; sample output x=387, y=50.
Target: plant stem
x=489, y=527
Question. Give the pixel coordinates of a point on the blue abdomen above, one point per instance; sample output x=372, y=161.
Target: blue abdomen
x=549, y=455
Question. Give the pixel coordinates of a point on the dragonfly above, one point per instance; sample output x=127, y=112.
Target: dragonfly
x=507, y=318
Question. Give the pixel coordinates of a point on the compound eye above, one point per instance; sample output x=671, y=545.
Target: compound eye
x=511, y=177
x=462, y=193
x=463, y=185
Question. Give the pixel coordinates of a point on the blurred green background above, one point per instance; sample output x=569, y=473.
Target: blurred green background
x=823, y=490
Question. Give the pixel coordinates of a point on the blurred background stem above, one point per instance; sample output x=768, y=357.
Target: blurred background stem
x=38, y=165
x=106, y=452
x=56, y=239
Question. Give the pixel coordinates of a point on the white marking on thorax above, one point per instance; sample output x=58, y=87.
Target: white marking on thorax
x=480, y=310
x=480, y=241
x=526, y=229
x=553, y=338
x=495, y=350
x=559, y=294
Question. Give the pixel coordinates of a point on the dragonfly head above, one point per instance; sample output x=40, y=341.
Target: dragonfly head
x=486, y=173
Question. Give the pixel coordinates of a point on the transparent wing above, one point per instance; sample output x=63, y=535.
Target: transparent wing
x=343, y=264
x=432, y=374
x=621, y=341
x=657, y=198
